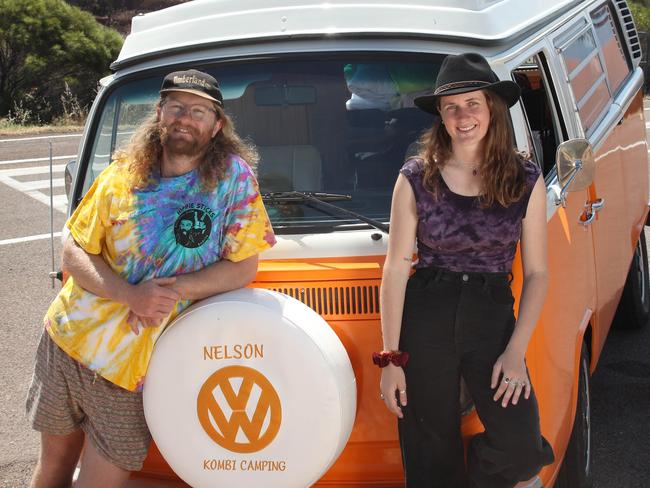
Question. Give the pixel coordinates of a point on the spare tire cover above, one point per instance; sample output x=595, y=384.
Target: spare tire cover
x=250, y=388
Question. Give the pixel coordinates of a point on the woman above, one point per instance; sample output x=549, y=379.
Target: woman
x=468, y=199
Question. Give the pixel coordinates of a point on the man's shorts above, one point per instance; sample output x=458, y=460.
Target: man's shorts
x=65, y=396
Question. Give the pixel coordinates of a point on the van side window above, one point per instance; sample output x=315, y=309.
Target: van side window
x=540, y=107
x=586, y=75
x=125, y=109
x=102, y=148
x=610, y=47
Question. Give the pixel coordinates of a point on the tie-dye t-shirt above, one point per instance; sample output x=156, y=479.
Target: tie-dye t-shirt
x=454, y=232
x=171, y=227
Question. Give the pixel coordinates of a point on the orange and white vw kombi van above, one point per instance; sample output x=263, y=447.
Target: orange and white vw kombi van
x=274, y=385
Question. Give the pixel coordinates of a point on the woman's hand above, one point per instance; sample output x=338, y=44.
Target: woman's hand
x=514, y=380
x=393, y=383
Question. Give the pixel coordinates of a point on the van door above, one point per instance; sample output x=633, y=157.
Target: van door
x=599, y=74
x=571, y=295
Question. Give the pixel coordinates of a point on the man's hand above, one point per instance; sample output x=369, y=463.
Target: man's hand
x=135, y=321
x=150, y=302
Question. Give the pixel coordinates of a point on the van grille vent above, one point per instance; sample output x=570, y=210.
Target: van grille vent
x=629, y=30
x=356, y=301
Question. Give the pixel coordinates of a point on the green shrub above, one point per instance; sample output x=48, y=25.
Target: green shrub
x=641, y=15
x=48, y=47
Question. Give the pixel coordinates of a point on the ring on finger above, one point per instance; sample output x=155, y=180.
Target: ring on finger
x=381, y=395
x=402, y=392
x=506, y=380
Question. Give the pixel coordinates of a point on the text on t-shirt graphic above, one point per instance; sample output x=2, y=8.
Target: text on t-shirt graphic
x=193, y=225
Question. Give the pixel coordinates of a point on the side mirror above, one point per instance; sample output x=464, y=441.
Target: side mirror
x=68, y=178
x=575, y=166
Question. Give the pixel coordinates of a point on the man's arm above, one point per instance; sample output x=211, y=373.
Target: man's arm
x=216, y=278
x=151, y=299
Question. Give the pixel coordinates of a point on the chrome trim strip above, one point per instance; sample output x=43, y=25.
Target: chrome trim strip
x=629, y=89
x=587, y=96
x=553, y=192
x=616, y=110
x=578, y=69
x=562, y=47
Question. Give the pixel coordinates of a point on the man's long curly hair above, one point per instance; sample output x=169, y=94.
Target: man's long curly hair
x=143, y=153
x=502, y=173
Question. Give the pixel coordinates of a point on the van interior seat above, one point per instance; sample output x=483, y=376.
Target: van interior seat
x=289, y=167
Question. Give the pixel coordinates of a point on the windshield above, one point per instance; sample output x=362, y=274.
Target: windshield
x=334, y=126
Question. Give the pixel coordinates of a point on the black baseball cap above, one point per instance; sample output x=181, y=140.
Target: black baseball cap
x=195, y=82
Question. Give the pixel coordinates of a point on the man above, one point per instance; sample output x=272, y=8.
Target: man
x=175, y=218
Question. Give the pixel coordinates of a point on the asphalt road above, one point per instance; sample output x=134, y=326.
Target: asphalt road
x=25, y=289
x=620, y=385
x=620, y=391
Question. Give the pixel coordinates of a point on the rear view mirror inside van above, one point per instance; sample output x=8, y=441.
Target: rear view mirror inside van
x=575, y=164
x=285, y=95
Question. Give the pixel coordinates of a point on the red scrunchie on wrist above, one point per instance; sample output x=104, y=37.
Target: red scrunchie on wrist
x=398, y=358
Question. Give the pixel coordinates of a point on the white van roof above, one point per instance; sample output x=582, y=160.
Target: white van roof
x=209, y=22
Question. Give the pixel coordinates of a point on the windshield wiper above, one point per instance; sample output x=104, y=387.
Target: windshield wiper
x=302, y=196
x=319, y=199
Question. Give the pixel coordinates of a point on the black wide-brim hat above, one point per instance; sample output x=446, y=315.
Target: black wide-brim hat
x=462, y=73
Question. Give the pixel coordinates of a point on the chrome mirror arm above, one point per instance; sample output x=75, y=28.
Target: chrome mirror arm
x=561, y=198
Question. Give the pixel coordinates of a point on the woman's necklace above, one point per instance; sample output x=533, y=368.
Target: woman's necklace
x=472, y=166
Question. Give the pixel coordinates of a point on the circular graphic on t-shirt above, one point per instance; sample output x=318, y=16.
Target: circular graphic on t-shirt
x=193, y=226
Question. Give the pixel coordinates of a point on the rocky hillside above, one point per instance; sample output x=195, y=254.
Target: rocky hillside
x=117, y=14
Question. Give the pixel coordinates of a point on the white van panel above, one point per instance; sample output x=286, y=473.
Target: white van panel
x=334, y=245
x=206, y=22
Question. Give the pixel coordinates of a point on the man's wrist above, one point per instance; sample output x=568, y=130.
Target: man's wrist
x=179, y=286
x=124, y=293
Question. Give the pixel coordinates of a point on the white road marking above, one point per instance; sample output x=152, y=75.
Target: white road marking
x=33, y=170
x=60, y=201
x=36, y=138
x=34, y=160
x=31, y=188
x=43, y=184
x=17, y=240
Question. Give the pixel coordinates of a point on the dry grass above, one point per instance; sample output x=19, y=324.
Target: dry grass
x=8, y=129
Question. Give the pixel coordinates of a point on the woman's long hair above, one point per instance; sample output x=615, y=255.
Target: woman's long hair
x=501, y=170
x=143, y=152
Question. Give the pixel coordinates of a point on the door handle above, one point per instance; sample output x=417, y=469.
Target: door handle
x=587, y=217
x=591, y=208
x=597, y=204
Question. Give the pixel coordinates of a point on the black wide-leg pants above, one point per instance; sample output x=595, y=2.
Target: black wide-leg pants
x=458, y=324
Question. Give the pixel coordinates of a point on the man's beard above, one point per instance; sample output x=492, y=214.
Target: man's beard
x=181, y=147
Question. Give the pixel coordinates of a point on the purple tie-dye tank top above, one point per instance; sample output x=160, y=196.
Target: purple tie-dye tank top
x=455, y=233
